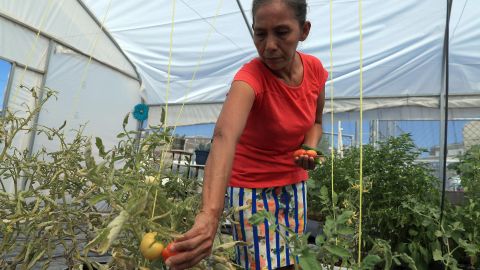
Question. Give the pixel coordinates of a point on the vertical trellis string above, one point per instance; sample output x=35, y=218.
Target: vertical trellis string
x=199, y=62
x=361, y=135
x=166, y=94
x=332, y=152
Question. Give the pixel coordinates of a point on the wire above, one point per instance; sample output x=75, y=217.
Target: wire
x=459, y=19
x=213, y=26
x=361, y=136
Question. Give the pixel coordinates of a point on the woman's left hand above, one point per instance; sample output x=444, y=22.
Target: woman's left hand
x=306, y=162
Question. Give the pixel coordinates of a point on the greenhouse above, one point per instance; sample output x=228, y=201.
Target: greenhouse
x=108, y=115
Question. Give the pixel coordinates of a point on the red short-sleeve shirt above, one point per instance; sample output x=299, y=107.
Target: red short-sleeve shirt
x=276, y=125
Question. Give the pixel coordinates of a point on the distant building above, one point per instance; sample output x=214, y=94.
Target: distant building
x=454, y=150
x=471, y=134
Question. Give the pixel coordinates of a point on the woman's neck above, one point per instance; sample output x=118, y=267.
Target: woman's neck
x=292, y=75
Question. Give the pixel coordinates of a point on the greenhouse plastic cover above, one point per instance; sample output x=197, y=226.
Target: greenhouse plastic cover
x=185, y=52
x=193, y=60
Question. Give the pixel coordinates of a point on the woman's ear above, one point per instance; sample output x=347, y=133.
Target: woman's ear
x=305, y=30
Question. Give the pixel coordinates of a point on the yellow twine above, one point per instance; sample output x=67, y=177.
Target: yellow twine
x=197, y=67
x=361, y=135
x=32, y=49
x=166, y=96
x=331, y=104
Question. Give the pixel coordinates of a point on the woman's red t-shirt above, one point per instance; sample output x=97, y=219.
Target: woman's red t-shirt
x=276, y=125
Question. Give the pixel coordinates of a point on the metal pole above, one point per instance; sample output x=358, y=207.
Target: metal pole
x=33, y=132
x=444, y=109
x=245, y=18
x=6, y=95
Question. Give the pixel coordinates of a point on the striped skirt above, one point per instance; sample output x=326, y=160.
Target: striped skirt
x=266, y=248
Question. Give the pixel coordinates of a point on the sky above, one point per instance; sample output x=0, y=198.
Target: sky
x=4, y=71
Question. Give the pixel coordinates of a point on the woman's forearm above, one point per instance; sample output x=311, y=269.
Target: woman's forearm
x=217, y=174
x=314, y=135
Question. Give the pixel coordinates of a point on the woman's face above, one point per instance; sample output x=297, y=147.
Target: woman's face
x=277, y=33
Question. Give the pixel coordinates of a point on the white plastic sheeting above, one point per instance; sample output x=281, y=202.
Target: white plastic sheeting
x=402, y=49
x=99, y=101
x=68, y=22
x=96, y=84
x=21, y=45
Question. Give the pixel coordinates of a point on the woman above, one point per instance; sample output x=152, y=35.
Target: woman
x=274, y=106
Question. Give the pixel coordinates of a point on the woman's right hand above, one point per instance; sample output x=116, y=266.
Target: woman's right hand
x=195, y=244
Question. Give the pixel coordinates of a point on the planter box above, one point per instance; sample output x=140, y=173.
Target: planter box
x=201, y=156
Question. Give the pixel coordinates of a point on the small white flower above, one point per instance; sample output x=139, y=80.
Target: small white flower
x=165, y=180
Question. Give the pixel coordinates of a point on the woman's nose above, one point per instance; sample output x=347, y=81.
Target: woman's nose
x=271, y=44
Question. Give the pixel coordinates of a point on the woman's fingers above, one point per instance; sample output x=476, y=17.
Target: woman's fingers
x=189, y=263
x=306, y=162
x=191, y=257
x=195, y=244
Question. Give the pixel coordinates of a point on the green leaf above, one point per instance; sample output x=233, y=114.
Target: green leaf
x=345, y=230
x=257, y=218
x=407, y=259
x=338, y=251
x=412, y=232
x=437, y=255
x=308, y=261
x=136, y=205
x=37, y=257
x=319, y=240
x=344, y=217
x=125, y=120
x=63, y=125
x=370, y=261
x=438, y=233
x=114, y=228
x=101, y=148
x=98, y=198
x=163, y=116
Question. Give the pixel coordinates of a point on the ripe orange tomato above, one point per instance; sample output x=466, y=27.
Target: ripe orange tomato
x=311, y=153
x=150, y=248
x=167, y=252
x=299, y=152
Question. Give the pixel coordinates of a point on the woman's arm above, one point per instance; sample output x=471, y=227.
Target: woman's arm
x=197, y=243
x=313, y=136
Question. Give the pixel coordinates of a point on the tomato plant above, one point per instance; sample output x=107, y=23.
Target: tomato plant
x=91, y=201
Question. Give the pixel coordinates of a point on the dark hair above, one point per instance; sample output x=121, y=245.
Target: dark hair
x=298, y=6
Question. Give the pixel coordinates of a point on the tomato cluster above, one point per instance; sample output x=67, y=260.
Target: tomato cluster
x=152, y=250
x=302, y=152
